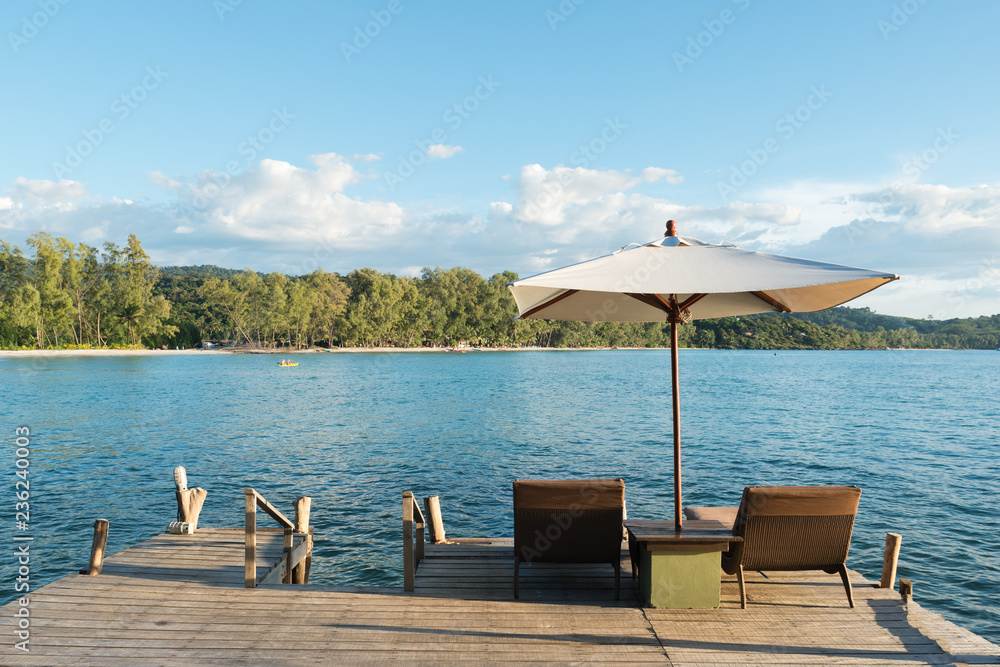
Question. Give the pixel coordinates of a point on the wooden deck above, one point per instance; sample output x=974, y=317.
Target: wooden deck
x=212, y=556
x=181, y=599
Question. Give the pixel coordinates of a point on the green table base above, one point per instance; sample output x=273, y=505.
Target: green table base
x=680, y=579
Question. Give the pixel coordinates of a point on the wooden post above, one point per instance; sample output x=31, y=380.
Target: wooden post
x=419, y=540
x=289, y=541
x=435, y=525
x=98, y=547
x=302, y=507
x=250, y=572
x=189, y=503
x=180, y=484
x=309, y=557
x=408, y=567
x=905, y=590
x=675, y=384
x=892, y=542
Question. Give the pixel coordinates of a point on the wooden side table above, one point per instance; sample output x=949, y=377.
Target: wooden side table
x=679, y=570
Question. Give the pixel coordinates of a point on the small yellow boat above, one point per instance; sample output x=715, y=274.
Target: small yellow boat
x=294, y=364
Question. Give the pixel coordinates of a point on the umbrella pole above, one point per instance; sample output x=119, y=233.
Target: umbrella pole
x=675, y=377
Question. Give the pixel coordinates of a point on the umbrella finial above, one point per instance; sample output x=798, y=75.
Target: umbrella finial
x=671, y=228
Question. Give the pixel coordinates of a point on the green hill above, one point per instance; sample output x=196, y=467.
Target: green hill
x=858, y=319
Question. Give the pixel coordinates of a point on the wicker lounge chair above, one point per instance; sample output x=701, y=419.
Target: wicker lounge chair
x=788, y=528
x=568, y=521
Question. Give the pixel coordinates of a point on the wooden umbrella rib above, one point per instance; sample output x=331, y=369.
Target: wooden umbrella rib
x=691, y=300
x=550, y=302
x=667, y=304
x=653, y=300
x=764, y=296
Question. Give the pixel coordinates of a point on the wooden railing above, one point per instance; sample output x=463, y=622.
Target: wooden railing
x=296, y=562
x=413, y=553
x=413, y=540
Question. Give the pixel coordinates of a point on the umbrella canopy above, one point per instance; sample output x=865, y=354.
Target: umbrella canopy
x=678, y=279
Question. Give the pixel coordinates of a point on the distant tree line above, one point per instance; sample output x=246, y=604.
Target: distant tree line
x=68, y=295
x=73, y=295
x=364, y=308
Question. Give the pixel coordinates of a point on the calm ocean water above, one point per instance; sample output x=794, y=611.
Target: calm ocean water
x=918, y=431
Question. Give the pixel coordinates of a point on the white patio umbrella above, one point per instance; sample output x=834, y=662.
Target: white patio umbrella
x=678, y=279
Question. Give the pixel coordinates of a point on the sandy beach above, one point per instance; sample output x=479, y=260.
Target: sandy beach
x=95, y=353
x=336, y=350
x=211, y=351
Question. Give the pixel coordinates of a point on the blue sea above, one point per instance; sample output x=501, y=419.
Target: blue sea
x=918, y=431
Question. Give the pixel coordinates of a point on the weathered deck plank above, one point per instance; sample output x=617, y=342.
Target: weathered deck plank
x=172, y=599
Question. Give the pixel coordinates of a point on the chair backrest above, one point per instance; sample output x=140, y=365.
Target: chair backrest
x=796, y=527
x=569, y=520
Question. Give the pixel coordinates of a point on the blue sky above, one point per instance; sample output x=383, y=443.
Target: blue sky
x=521, y=136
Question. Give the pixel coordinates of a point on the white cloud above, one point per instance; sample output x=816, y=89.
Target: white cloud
x=547, y=195
x=932, y=210
x=499, y=210
x=61, y=195
x=653, y=174
x=278, y=202
x=813, y=207
x=7, y=205
x=442, y=151
x=944, y=241
x=287, y=214
x=922, y=295
x=159, y=179
x=570, y=203
x=935, y=209
x=95, y=234
x=541, y=263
